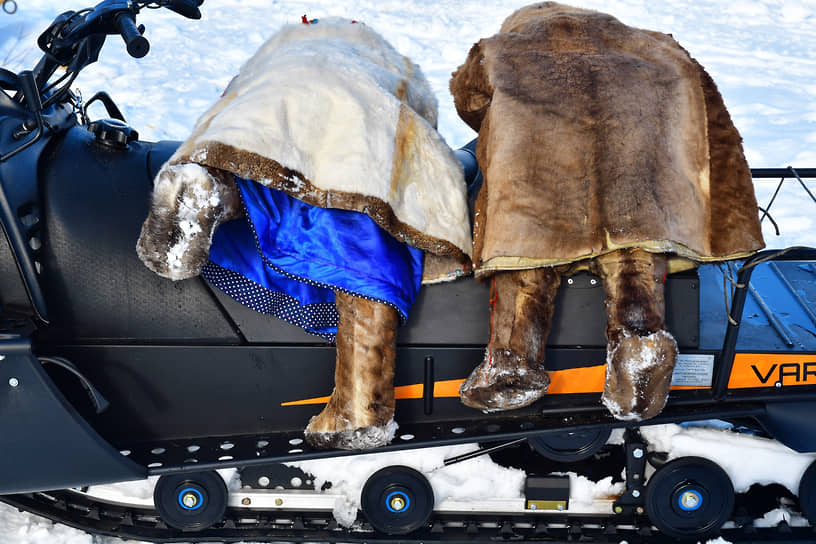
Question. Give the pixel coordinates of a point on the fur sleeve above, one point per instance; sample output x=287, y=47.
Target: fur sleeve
x=471, y=88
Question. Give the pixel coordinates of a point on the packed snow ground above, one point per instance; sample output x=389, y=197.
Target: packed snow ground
x=760, y=53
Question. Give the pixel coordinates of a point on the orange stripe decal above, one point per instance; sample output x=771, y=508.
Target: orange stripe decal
x=447, y=388
x=414, y=391
x=588, y=379
x=769, y=369
x=304, y=402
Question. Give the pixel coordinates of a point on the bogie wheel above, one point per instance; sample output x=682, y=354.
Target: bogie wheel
x=689, y=498
x=807, y=493
x=569, y=446
x=397, y=500
x=191, y=502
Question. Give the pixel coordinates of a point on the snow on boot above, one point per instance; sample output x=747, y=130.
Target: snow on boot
x=638, y=374
x=512, y=374
x=360, y=411
x=188, y=203
x=504, y=381
x=641, y=354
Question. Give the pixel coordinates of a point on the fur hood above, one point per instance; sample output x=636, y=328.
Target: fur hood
x=595, y=136
x=331, y=114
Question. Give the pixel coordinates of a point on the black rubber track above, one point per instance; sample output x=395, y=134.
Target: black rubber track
x=242, y=525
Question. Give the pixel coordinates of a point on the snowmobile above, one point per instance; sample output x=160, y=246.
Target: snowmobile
x=109, y=373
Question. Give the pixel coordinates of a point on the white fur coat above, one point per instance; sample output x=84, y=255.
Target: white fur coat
x=331, y=114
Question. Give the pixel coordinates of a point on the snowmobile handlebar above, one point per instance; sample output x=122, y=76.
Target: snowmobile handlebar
x=64, y=38
x=74, y=40
x=137, y=45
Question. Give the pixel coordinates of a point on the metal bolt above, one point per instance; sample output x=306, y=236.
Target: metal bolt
x=263, y=481
x=246, y=501
x=638, y=453
x=570, y=281
x=533, y=506
x=278, y=502
x=397, y=503
x=189, y=500
x=560, y=507
x=690, y=500
x=778, y=384
x=593, y=281
x=639, y=509
x=14, y=382
x=635, y=493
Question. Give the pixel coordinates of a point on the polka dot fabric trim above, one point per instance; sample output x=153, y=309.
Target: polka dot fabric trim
x=319, y=319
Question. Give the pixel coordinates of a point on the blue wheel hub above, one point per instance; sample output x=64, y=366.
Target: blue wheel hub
x=397, y=502
x=690, y=500
x=191, y=499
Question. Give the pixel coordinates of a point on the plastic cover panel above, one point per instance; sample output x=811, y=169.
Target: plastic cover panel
x=96, y=199
x=13, y=297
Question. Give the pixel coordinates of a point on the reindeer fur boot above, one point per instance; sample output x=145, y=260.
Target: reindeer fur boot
x=189, y=202
x=360, y=411
x=512, y=374
x=640, y=353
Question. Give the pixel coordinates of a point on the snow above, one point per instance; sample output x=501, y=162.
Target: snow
x=366, y=438
x=718, y=540
x=774, y=517
x=348, y=475
x=583, y=491
x=769, y=461
x=760, y=53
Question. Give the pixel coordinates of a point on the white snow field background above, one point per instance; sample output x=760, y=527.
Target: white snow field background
x=761, y=54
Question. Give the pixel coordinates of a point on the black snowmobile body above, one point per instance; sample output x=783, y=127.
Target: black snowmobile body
x=109, y=372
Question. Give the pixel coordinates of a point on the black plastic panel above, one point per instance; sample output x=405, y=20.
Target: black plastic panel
x=458, y=313
x=96, y=199
x=13, y=297
x=44, y=444
x=791, y=423
x=176, y=392
x=159, y=153
x=19, y=198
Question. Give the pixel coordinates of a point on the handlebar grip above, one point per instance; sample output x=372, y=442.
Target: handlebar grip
x=137, y=45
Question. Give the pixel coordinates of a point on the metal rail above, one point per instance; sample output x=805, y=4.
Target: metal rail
x=738, y=305
x=762, y=173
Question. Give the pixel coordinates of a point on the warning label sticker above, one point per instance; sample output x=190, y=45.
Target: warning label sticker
x=693, y=370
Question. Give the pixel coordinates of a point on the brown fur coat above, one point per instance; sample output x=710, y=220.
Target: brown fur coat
x=595, y=136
